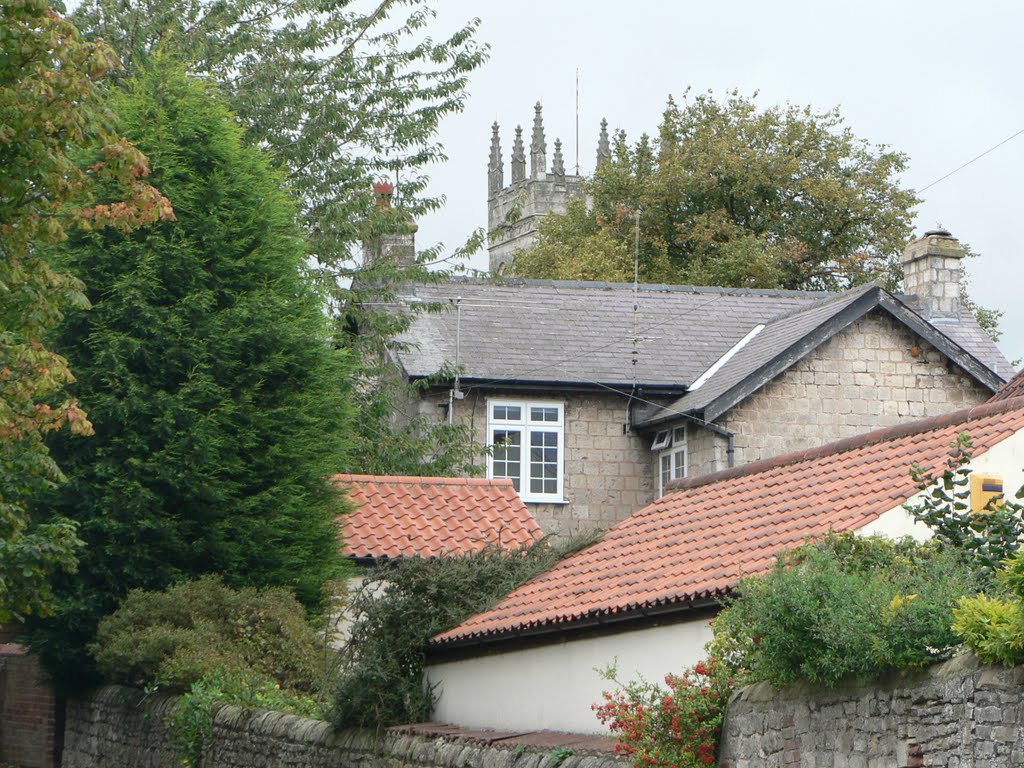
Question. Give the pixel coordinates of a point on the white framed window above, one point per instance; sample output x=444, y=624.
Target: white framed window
x=526, y=440
x=670, y=448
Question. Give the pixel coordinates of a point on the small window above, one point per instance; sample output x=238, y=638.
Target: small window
x=671, y=448
x=662, y=440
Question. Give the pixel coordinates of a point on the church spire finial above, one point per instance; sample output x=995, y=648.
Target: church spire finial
x=604, y=151
x=518, y=157
x=495, y=169
x=538, y=148
x=557, y=163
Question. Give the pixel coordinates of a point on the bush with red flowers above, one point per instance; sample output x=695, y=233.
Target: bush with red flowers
x=676, y=726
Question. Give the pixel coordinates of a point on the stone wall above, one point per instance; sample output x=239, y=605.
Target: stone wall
x=123, y=727
x=28, y=709
x=958, y=714
x=609, y=473
x=874, y=374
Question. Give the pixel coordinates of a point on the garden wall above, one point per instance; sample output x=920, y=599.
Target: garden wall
x=958, y=714
x=124, y=728
x=28, y=709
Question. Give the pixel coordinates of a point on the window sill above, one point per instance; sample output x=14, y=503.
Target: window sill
x=547, y=501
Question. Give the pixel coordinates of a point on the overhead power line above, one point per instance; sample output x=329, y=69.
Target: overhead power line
x=972, y=160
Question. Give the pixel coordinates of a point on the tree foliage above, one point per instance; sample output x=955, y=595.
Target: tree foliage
x=733, y=195
x=340, y=94
x=219, y=406
x=50, y=108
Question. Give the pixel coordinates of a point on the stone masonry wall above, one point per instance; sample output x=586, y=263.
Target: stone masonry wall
x=959, y=714
x=874, y=374
x=608, y=470
x=123, y=727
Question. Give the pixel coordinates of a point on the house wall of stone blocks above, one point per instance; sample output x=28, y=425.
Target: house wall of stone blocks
x=608, y=469
x=876, y=373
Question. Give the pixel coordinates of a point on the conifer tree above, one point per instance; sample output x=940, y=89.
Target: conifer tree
x=218, y=404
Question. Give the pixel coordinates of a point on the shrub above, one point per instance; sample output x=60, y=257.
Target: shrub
x=993, y=627
x=845, y=606
x=381, y=677
x=203, y=628
x=983, y=541
x=675, y=727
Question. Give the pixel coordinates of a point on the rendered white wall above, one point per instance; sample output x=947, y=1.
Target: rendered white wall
x=1005, y=458
x=552, y=687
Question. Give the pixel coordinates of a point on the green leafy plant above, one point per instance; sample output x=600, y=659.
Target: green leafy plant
x=677, y=726
x=559, y=755
x=846, y=606
x=202, y=630
x=993, y=627
x=399, y=607
x=983, y=540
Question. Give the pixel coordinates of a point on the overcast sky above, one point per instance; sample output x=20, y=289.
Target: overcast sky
x=940, y=81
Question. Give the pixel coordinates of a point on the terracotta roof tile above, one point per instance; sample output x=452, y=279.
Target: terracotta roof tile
x=699, y=540
x=1013, y=388
x=432, y=516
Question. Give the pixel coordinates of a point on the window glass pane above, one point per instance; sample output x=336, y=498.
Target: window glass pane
x=544, y=462
x=508, y=412
x=679, y=464
x=678, y=435
x=543, y=413
x=666, y=470
x=660, y=440
x=506, y=461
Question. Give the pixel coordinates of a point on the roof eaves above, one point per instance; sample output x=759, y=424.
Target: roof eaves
x=669, y=608
x=988, y=408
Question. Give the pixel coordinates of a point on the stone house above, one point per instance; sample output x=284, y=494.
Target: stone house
x=642, y=595
x=592, y=397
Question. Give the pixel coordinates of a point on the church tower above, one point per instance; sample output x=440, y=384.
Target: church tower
x=514, y=211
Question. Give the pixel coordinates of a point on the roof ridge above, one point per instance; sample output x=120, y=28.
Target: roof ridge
x=856, y=290
x=627, y=286
x=345, y=477
x=885, y=434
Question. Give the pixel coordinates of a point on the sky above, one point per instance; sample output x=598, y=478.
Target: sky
x=938, y=81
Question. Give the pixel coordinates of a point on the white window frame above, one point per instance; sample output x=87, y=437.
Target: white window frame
x=669, y=444
x=526, y=427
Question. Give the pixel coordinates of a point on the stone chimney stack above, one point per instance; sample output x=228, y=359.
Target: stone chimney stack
x=931, y=271
x=395, y=239
x=495, y=169
x=538, y=147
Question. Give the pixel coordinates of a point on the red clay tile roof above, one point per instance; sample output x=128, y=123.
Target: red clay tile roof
x=694, y=544
x=1013, y=388
x=432, y=516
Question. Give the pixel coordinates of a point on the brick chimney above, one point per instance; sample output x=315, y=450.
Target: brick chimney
x=395, y=241
x=931, y=271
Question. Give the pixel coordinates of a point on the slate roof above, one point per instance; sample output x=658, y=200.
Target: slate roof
x=559, y=332
x=693, y=545
x=579, y=332
x=432, y=516
x=791, y=336
x=1013, y=388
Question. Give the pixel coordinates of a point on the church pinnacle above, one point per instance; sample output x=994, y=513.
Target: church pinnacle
x=495, y=169
x=538, y=148
x=557, y=163
x=518, y=157
x=604, y=151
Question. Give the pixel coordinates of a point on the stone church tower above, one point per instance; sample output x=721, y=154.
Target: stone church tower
x=514, y=211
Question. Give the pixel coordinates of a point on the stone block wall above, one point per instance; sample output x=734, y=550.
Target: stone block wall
x=28, y=710
x=959, y=714
x=874, y=374
x=123, y=727
x=608, y=470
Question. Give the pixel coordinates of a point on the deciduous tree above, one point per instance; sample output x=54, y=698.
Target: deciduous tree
x=50, y=109
x=733, y=195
